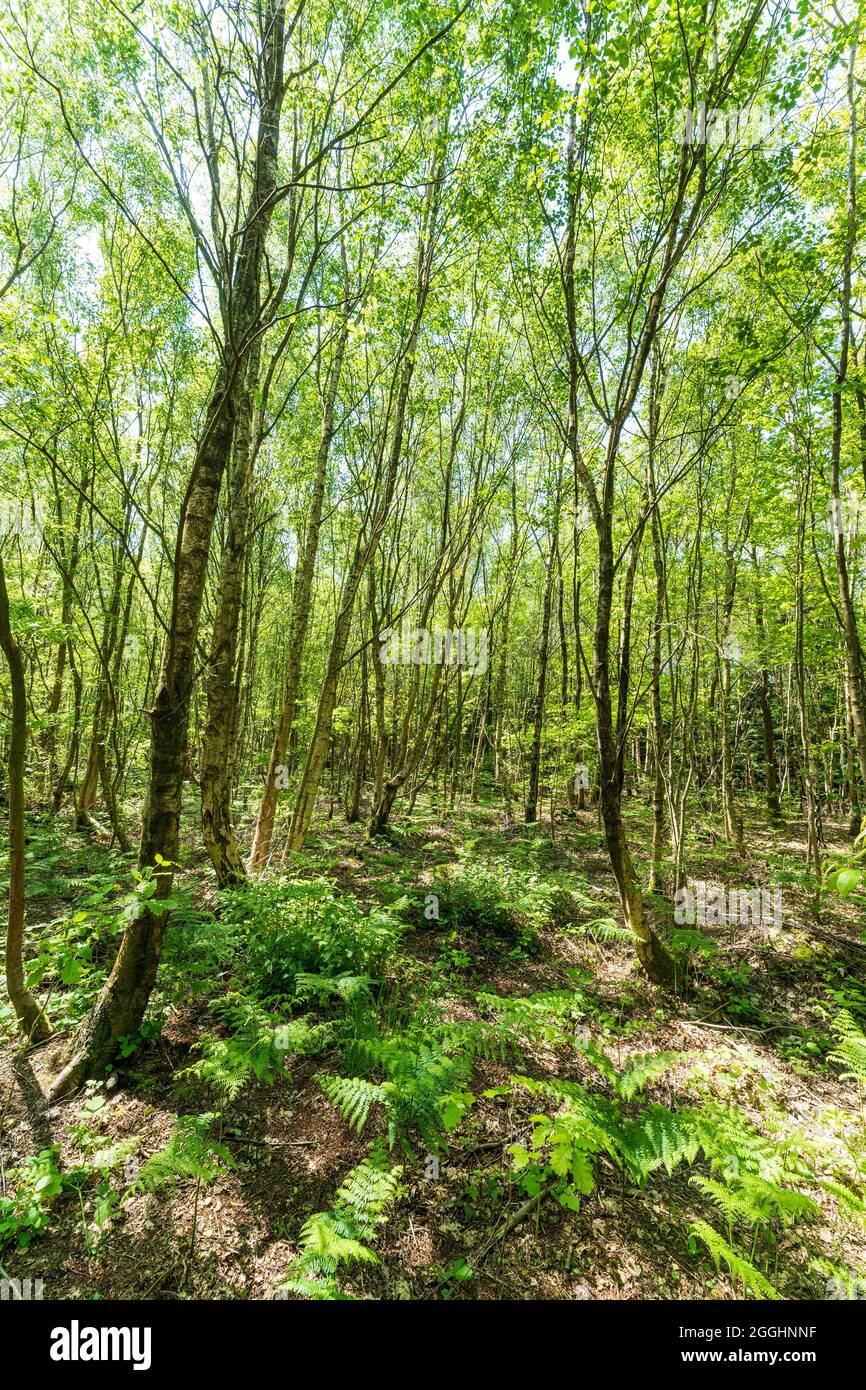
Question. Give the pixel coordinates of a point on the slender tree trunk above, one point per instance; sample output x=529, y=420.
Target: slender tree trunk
x=32, y=1021
x=541, y=686
x=120, y=1007
x=654, y=957
x=771, y=776
x=264, y=830
x=658, y=800
x=809, y=774
x=853, y=651
x=222, y=691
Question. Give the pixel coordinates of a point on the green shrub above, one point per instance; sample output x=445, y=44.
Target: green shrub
x=35, y=1183
x=502, y=902
x=293, y=927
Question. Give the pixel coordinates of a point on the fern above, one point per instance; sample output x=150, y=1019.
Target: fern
x=324, y=1246
x=318, y=1289
x=733, y=1205
x=850, y=1051
x=755, y=1201
x=346, y=987
x=421, y=1078
x=753, y=1280
x=850, y=1201
x=331, y=1239
x=641, y=1071
x=368, y=1191
x=477, y=1038
x=352, y=1096
x=728, y=1139
x=659, y=1138
x=690, y=939
x=606, y=929
x=564, y=1147
x=547, y=1017
x=258, y=1047
x=190, y=1153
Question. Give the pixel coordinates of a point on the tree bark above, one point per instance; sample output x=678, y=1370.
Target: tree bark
x=120, y=1007
x=32, y=1021
x=263, y=834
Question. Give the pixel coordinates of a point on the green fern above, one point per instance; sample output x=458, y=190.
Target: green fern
x=752, y=1279
x=475, y=1038
x=352, y=1096
x=325, y=1247
x=642, y=1071
x=756, y=1202
x=368, y=1191
x=258, y=1046
x=659, y=1138
x=547, y=1017
x=849, y=1201
x=728, y=1140
x=606, y=929
x=348, y=988
x=690, y=939
x=331, y=1239
x=840, y=1283
x=850, y=1050
x=421, y=1077
x=190, y=1153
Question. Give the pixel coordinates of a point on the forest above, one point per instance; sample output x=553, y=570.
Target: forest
x=432, y=672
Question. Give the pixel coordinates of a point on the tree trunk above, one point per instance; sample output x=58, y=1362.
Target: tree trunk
x=538, y=708
x=365, y=548
x=771, y=776
x=32, y=1021
x=853, y=650
x=120, y=1007
x=263, y=835
x=222, y=691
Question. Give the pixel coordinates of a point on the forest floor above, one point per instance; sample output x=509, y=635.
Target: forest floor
x=750, y=1023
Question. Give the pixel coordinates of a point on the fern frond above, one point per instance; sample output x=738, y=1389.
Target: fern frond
x=190, y=1153
x=542, y=1017
x=752, y=1278
x=325, y=1247
x=367, y=1191
x=727, y=1138
x=476, y=1038
x=641, y=1071
x=851, y=1201
x=352, y=1096
x=733, y=1205
x=606, y=929
x=850, y=1051
x=420, y=1075
x=337, y=1237
x=659, y=1138
x=346, y=987
x=318, y=1290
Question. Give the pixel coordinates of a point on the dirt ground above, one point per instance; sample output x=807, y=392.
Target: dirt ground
x=743, y=1026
